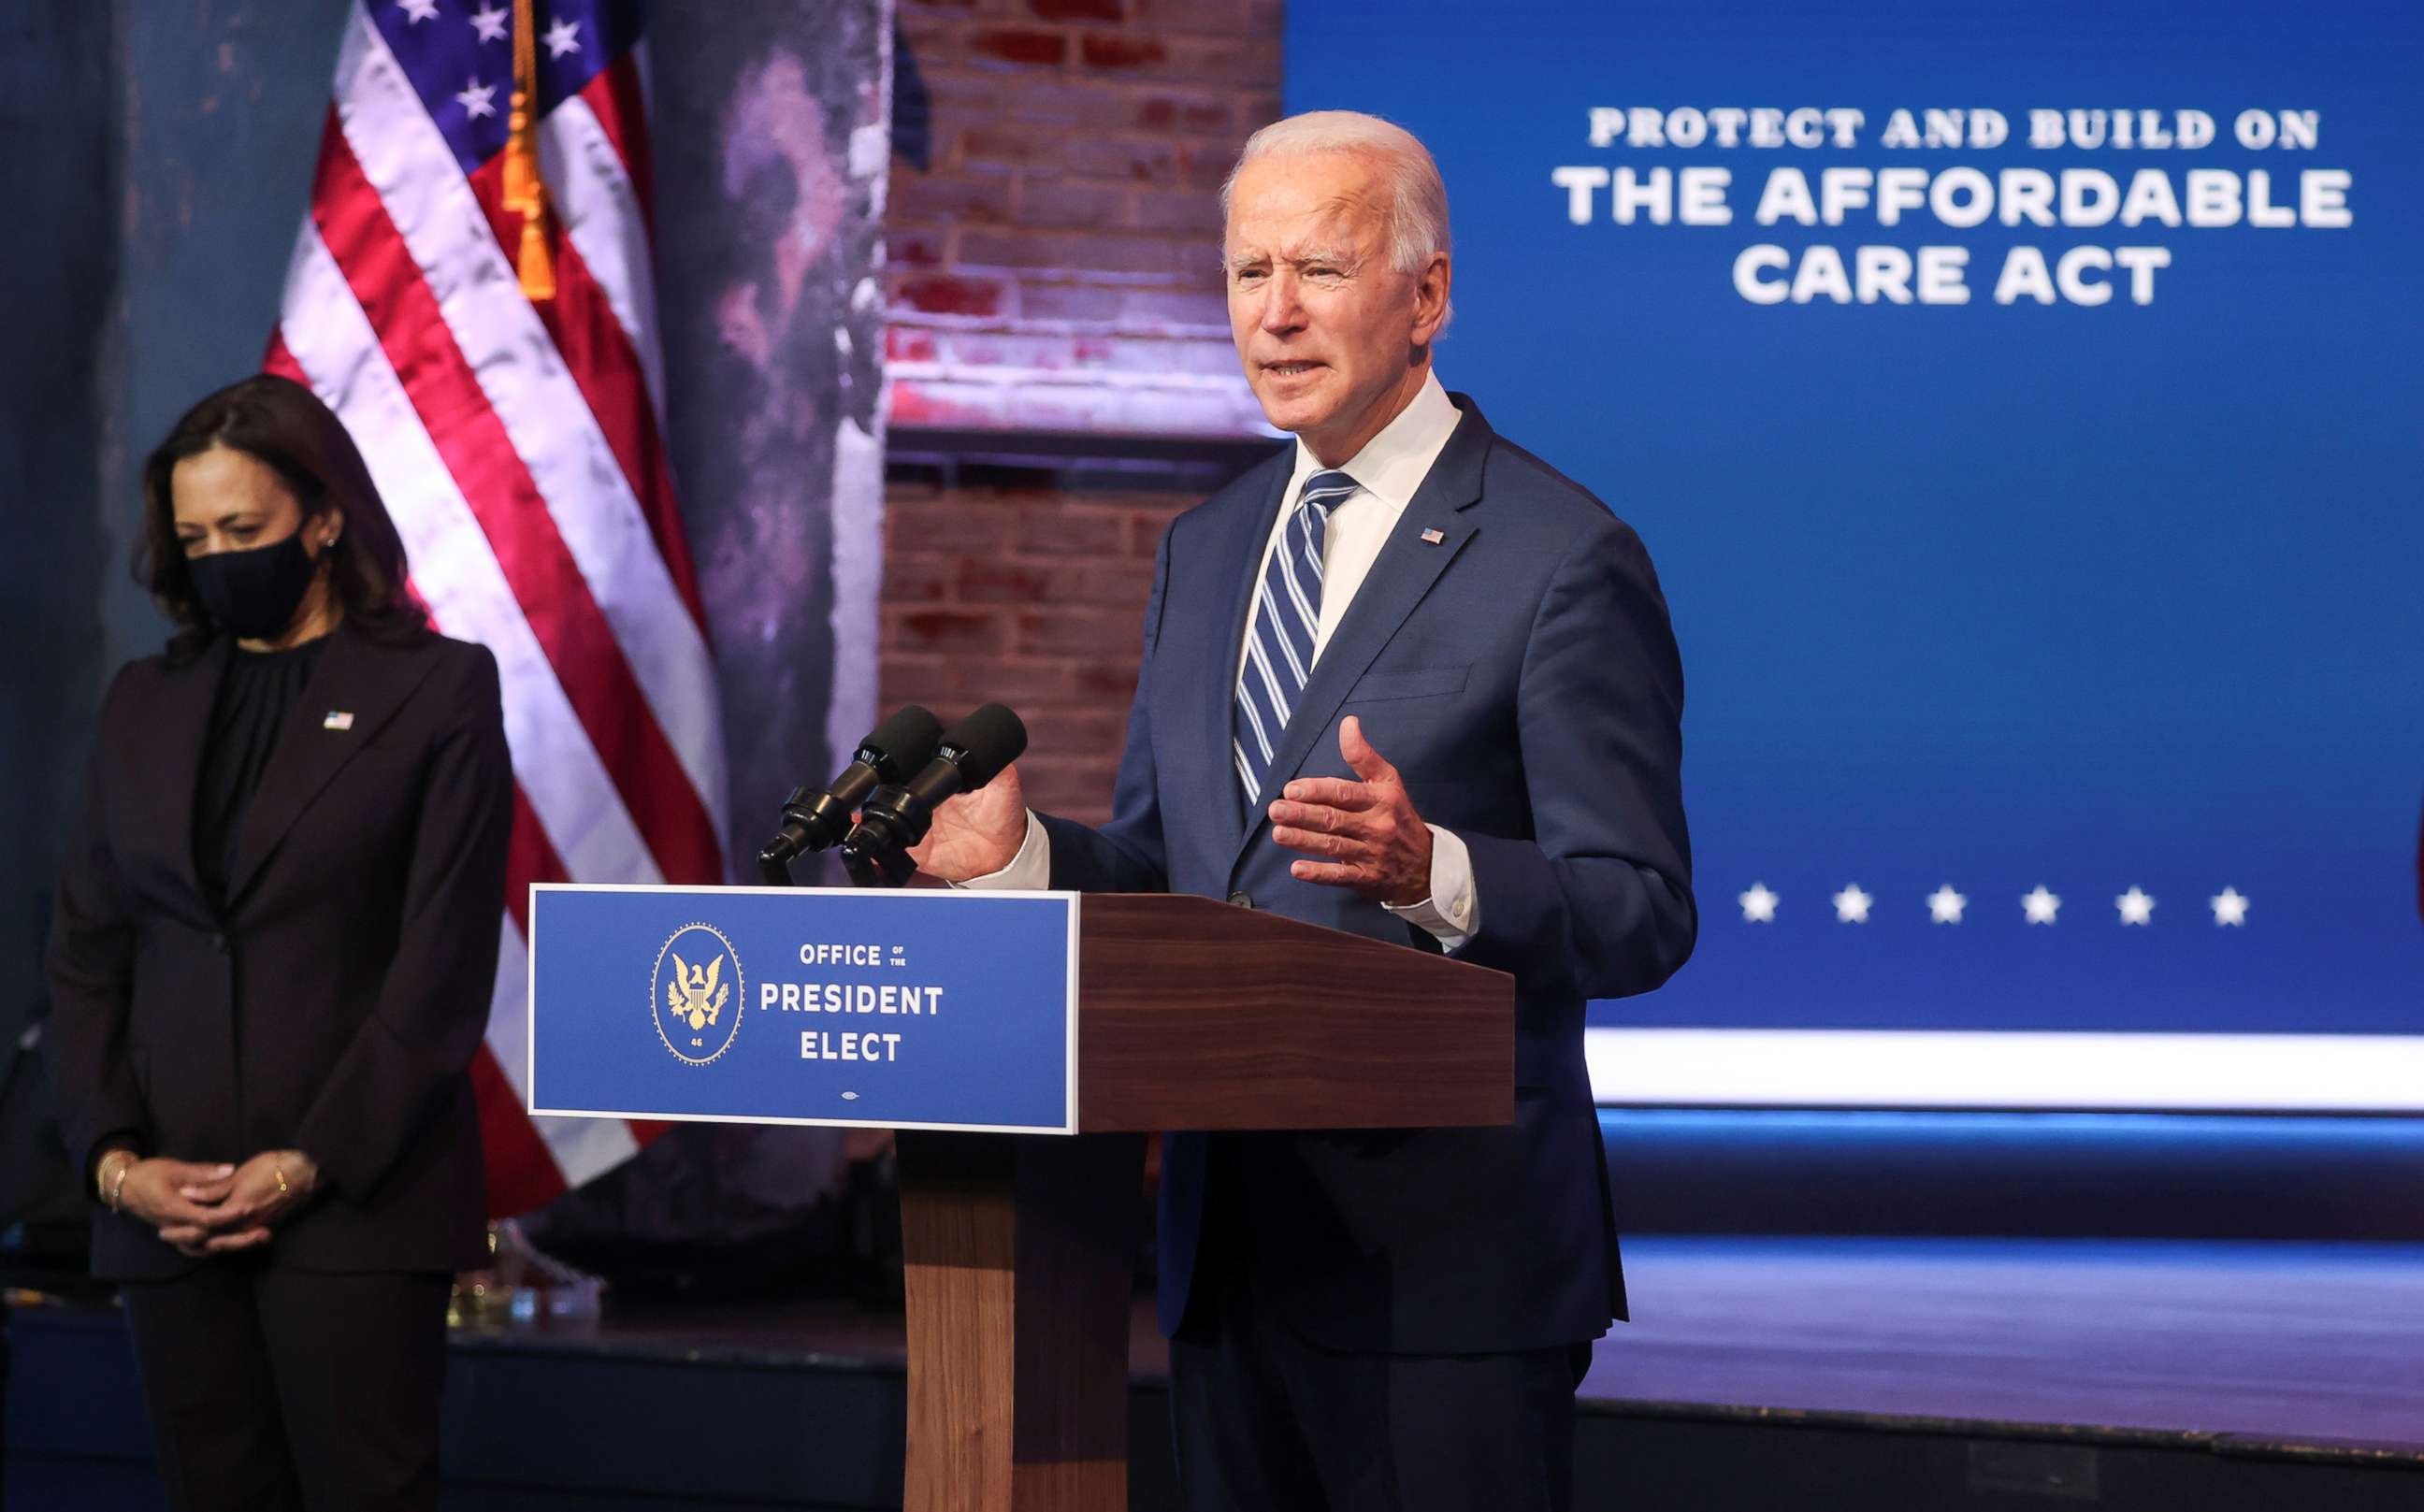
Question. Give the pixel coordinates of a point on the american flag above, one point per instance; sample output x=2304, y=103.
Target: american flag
x=497, y=359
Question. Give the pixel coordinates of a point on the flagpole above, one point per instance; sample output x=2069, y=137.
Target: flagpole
x=525, y=191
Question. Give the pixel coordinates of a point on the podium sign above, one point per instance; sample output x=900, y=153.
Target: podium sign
x=925, y=1009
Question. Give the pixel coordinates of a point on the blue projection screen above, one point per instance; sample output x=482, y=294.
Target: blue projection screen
x=2025, y=408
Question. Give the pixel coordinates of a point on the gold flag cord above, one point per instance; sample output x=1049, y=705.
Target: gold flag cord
x=525, y=191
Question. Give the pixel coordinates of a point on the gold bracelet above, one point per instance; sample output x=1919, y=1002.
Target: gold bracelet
x=117, y=1187
x=278, y=1165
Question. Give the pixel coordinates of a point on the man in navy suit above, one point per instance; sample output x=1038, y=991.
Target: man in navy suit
x=1403, y=679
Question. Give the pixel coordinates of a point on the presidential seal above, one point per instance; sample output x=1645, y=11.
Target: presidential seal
x=695, y=994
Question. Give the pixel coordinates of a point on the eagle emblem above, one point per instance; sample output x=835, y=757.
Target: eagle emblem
x=697, y=1009
x=696, y=993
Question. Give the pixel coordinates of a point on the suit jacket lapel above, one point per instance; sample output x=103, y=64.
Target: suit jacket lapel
x=1235, y=564
x=180, y=724
x=1400, y=575
x=354, y=676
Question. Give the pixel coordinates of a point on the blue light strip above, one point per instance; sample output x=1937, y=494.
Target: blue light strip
x=2387, y=1133
x=2009, y=1174
x=2013, y=1070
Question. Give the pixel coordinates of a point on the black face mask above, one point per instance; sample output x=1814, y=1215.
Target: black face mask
x=252, y=595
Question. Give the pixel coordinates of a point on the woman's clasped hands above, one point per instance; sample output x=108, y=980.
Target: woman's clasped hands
x=209, y=1210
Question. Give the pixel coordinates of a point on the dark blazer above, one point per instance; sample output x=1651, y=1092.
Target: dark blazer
x=336, y=1005
x=1521, y=674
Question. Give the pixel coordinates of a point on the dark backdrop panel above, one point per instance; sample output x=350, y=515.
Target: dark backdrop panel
x=55, y=106
x=772, y=149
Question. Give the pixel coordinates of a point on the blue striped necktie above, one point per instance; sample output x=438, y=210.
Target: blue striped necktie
x=1280, y=639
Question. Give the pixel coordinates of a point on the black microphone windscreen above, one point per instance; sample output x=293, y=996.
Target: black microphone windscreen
x=991, y=737
x=906, y=740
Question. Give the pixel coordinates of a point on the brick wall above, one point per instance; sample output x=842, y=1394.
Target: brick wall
x=1054, y=263
x=1031, y=596
x=1054, y=268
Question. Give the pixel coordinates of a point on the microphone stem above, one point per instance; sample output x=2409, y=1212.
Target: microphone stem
x=775, y=866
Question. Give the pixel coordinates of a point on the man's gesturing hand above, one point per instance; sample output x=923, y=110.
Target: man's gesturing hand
x=1364, y=834
x=975, y=834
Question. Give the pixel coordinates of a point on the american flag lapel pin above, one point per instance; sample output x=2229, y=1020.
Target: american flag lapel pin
x=338, y=719
x=1433, y=537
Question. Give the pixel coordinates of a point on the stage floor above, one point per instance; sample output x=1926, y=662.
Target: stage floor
x=2249, y=1356
x=2286, y=1342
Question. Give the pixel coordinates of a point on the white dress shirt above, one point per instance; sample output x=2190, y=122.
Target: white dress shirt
x=1388, y=471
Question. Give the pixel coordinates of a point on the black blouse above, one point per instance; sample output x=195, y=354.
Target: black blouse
x=253, y=700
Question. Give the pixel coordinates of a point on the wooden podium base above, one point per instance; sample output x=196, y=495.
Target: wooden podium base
x=1020, y=1256
x=1020, y=1248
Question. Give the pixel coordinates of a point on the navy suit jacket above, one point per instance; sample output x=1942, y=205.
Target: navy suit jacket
x=1521, y=674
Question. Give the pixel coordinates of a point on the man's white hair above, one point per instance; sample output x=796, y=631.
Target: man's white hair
x=1417, y=210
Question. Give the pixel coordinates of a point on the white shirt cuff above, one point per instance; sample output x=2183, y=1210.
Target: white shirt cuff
x=1029, y=871
x=1451, y=914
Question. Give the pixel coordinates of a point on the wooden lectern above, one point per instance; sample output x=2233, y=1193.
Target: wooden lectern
x=1020, y=1248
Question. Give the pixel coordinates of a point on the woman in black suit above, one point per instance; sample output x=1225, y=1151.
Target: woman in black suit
x=271, y=966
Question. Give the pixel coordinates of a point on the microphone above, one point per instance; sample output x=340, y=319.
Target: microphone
x=897, y=815
x=817, y=820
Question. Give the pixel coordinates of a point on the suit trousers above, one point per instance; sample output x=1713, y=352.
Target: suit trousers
x=1265, y=1420
x=277, y=1390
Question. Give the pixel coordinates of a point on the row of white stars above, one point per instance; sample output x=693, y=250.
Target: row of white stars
x=479, y=99
x=562, y=36
x=1945, y=906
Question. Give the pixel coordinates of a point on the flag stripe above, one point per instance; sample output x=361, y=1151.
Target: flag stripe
x=522, y=1172
x=581, y=643
x=329, y=337
x=520, y=380
x=529, y=1159
x=529, y=859
x=520, y=446
x=617, y=100
x=584, y=1148
x=279, y=359
x=606, y=217
x=580, y=1148
x=600, y=359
